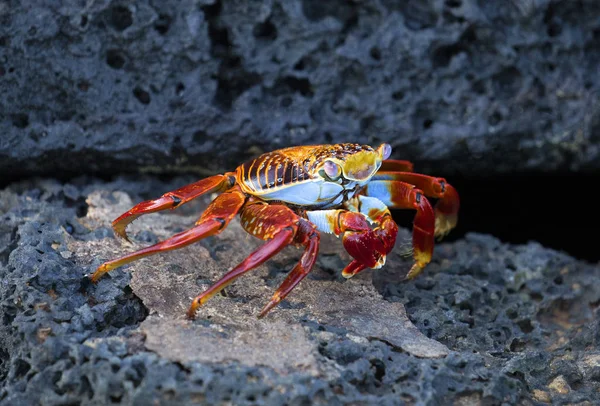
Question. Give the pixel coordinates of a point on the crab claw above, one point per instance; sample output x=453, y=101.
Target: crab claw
x=369, y=247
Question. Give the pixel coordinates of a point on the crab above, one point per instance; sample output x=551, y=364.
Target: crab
x=291, y=195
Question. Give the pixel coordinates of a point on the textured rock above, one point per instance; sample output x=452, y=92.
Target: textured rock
x=520, y=323
x=456, y=85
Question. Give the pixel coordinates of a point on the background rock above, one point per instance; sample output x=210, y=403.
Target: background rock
x=459, y=86
x=520, y=322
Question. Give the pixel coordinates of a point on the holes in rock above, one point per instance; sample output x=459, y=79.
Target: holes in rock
x=553, y=23
x=297, y=85
x=120, y=18
x=83, y=85
x=379, y=369
x=375, y=53
x=142, y=95
x=300, y=65
x=443, y=55
x=179, y=88
x=232, y=79
x=114, y=59
x=554, y=29
x=453, y=3
x=20, y=120
x=517, y=345
x=232, y=82
x=266, y=31
x=494, y=118
x=398, y=95
x=525, y=326
x=21, y=368
x=83, y=21
x=162, y=24
x=86, y=387
x=317, y=10
x=507, y=82
x=427, y=123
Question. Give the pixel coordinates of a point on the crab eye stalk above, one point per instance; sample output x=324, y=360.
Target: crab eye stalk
x=385, y=150
x=332, y=170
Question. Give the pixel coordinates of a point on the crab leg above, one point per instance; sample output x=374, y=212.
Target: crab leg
x=214, y=219
x=446, y=208
x=395, y=165
x=309, y=237
x=173, y=199
x=401, y=195
x=280, y=226
x=367, y=246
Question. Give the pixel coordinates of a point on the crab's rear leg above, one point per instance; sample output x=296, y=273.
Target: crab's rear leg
x=401, y=195
x=446, y=208
x=280, y=226
x=395, y=165
x=171, y=200
x=214, y=219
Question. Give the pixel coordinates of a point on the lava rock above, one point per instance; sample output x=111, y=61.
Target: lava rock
x=458, y=86
x=515, y=324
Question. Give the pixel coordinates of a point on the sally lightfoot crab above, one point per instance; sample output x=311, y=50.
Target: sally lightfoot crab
x=290, y=195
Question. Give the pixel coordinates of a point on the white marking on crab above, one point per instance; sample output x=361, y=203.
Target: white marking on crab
x=308, y=193
x=380, y=191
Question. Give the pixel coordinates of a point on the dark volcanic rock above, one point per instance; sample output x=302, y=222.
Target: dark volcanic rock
x=516, y=324
x=456, y=85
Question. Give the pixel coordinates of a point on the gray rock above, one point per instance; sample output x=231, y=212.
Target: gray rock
x=457, y=86
x=515, y=324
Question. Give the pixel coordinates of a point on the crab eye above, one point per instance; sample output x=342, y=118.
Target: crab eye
x=332, y=170
x=386, y=151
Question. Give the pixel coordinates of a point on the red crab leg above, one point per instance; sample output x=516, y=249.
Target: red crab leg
x=214, y=219
x=446, y=208
x=171, y=200
x=401, y=195
x=309, y=237
x=280, y=226
x=395, y=165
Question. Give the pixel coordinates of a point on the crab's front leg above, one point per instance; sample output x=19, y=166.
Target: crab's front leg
x=367, y=244
x=173, y=199
x=401, y=195
x=214, y=219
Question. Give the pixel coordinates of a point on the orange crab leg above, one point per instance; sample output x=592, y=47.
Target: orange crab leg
x=214, y=219
x=280, y=226
x=401, y=195
x=396, y=166
x=446, y=208
x=171, y=200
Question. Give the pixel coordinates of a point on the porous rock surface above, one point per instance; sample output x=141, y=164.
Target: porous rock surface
x=487, y=323
x=459, y=85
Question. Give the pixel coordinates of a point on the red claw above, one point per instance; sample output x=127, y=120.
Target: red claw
x=369, y=247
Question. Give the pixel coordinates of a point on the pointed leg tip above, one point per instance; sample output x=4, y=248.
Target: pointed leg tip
x=191, y=314
x=101, y=270
x=268, y=307
x=120, y=232
x=416, y=269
